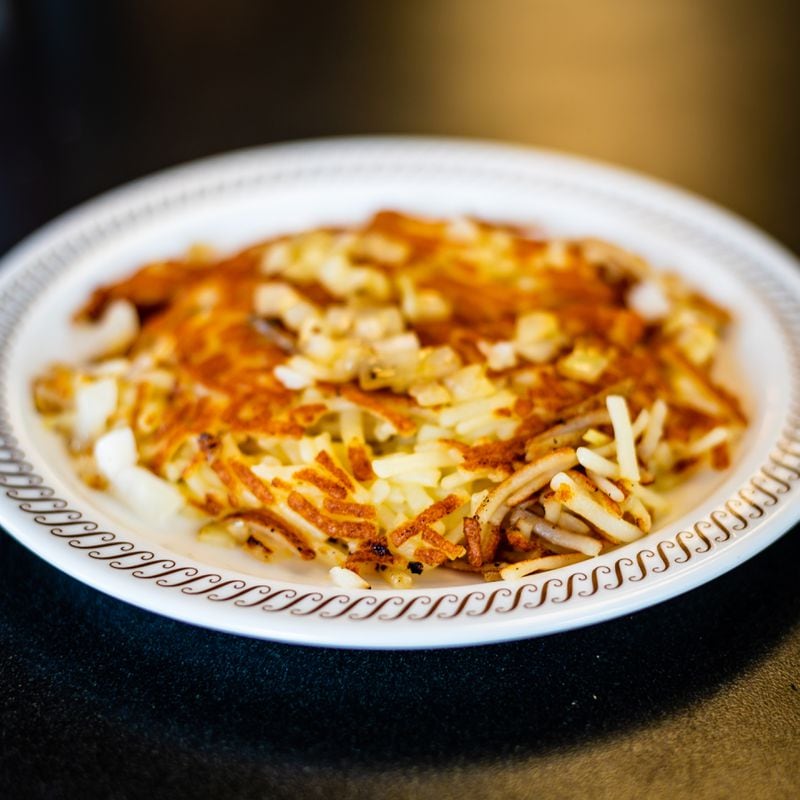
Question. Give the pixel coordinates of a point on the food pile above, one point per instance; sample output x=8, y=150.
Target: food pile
x=401, y=396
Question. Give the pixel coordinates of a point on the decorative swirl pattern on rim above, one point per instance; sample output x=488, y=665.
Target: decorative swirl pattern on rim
x=760, y=496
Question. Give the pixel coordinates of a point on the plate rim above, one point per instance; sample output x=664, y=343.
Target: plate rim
x=417, y=605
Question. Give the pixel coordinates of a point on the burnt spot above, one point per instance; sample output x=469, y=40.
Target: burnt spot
x=208, y=443
x=380, y=549
x=415, y=567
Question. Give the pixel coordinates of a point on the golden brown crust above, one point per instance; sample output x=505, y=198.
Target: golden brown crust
x=336, y=528
x=257, y=487
x=360, y=462
x=327, y=463
x=347, y=509
x=472, y=539
x=423, y=520
x=324, y=484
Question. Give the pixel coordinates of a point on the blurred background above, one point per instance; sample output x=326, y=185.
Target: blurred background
x=101, y=699
x=702, y=93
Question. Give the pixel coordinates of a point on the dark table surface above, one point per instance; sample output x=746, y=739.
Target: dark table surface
x=697, y=697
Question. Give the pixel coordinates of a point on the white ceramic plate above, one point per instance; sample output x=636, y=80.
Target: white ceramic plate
x=721, y=520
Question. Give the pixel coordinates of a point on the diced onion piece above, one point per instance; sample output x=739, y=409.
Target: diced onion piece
x=623, y=436
x=698, y=343
x=298, y=315
x=147, y=494
x=381, y=248
x=373, y=324
x=275, y=258
x=499, y=355
x=429, y=394
x=462, y=229
x=437, y=362
x=94, y=403
x=618, y=261
x=535, y=326
x=112, y=333
x=281, y=301
x=292, y=379
x=469, y=383
x=114, y=451
x=648, y=300
x=538, y=352
x=341, y=278
x=557, y=252
x=585, y=364
x=422, y=305
x=347, y=579
x=273, y=299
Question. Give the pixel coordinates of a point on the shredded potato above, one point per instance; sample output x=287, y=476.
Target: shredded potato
x=399, y=397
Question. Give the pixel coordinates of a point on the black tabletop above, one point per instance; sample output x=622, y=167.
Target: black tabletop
x=697, y=697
